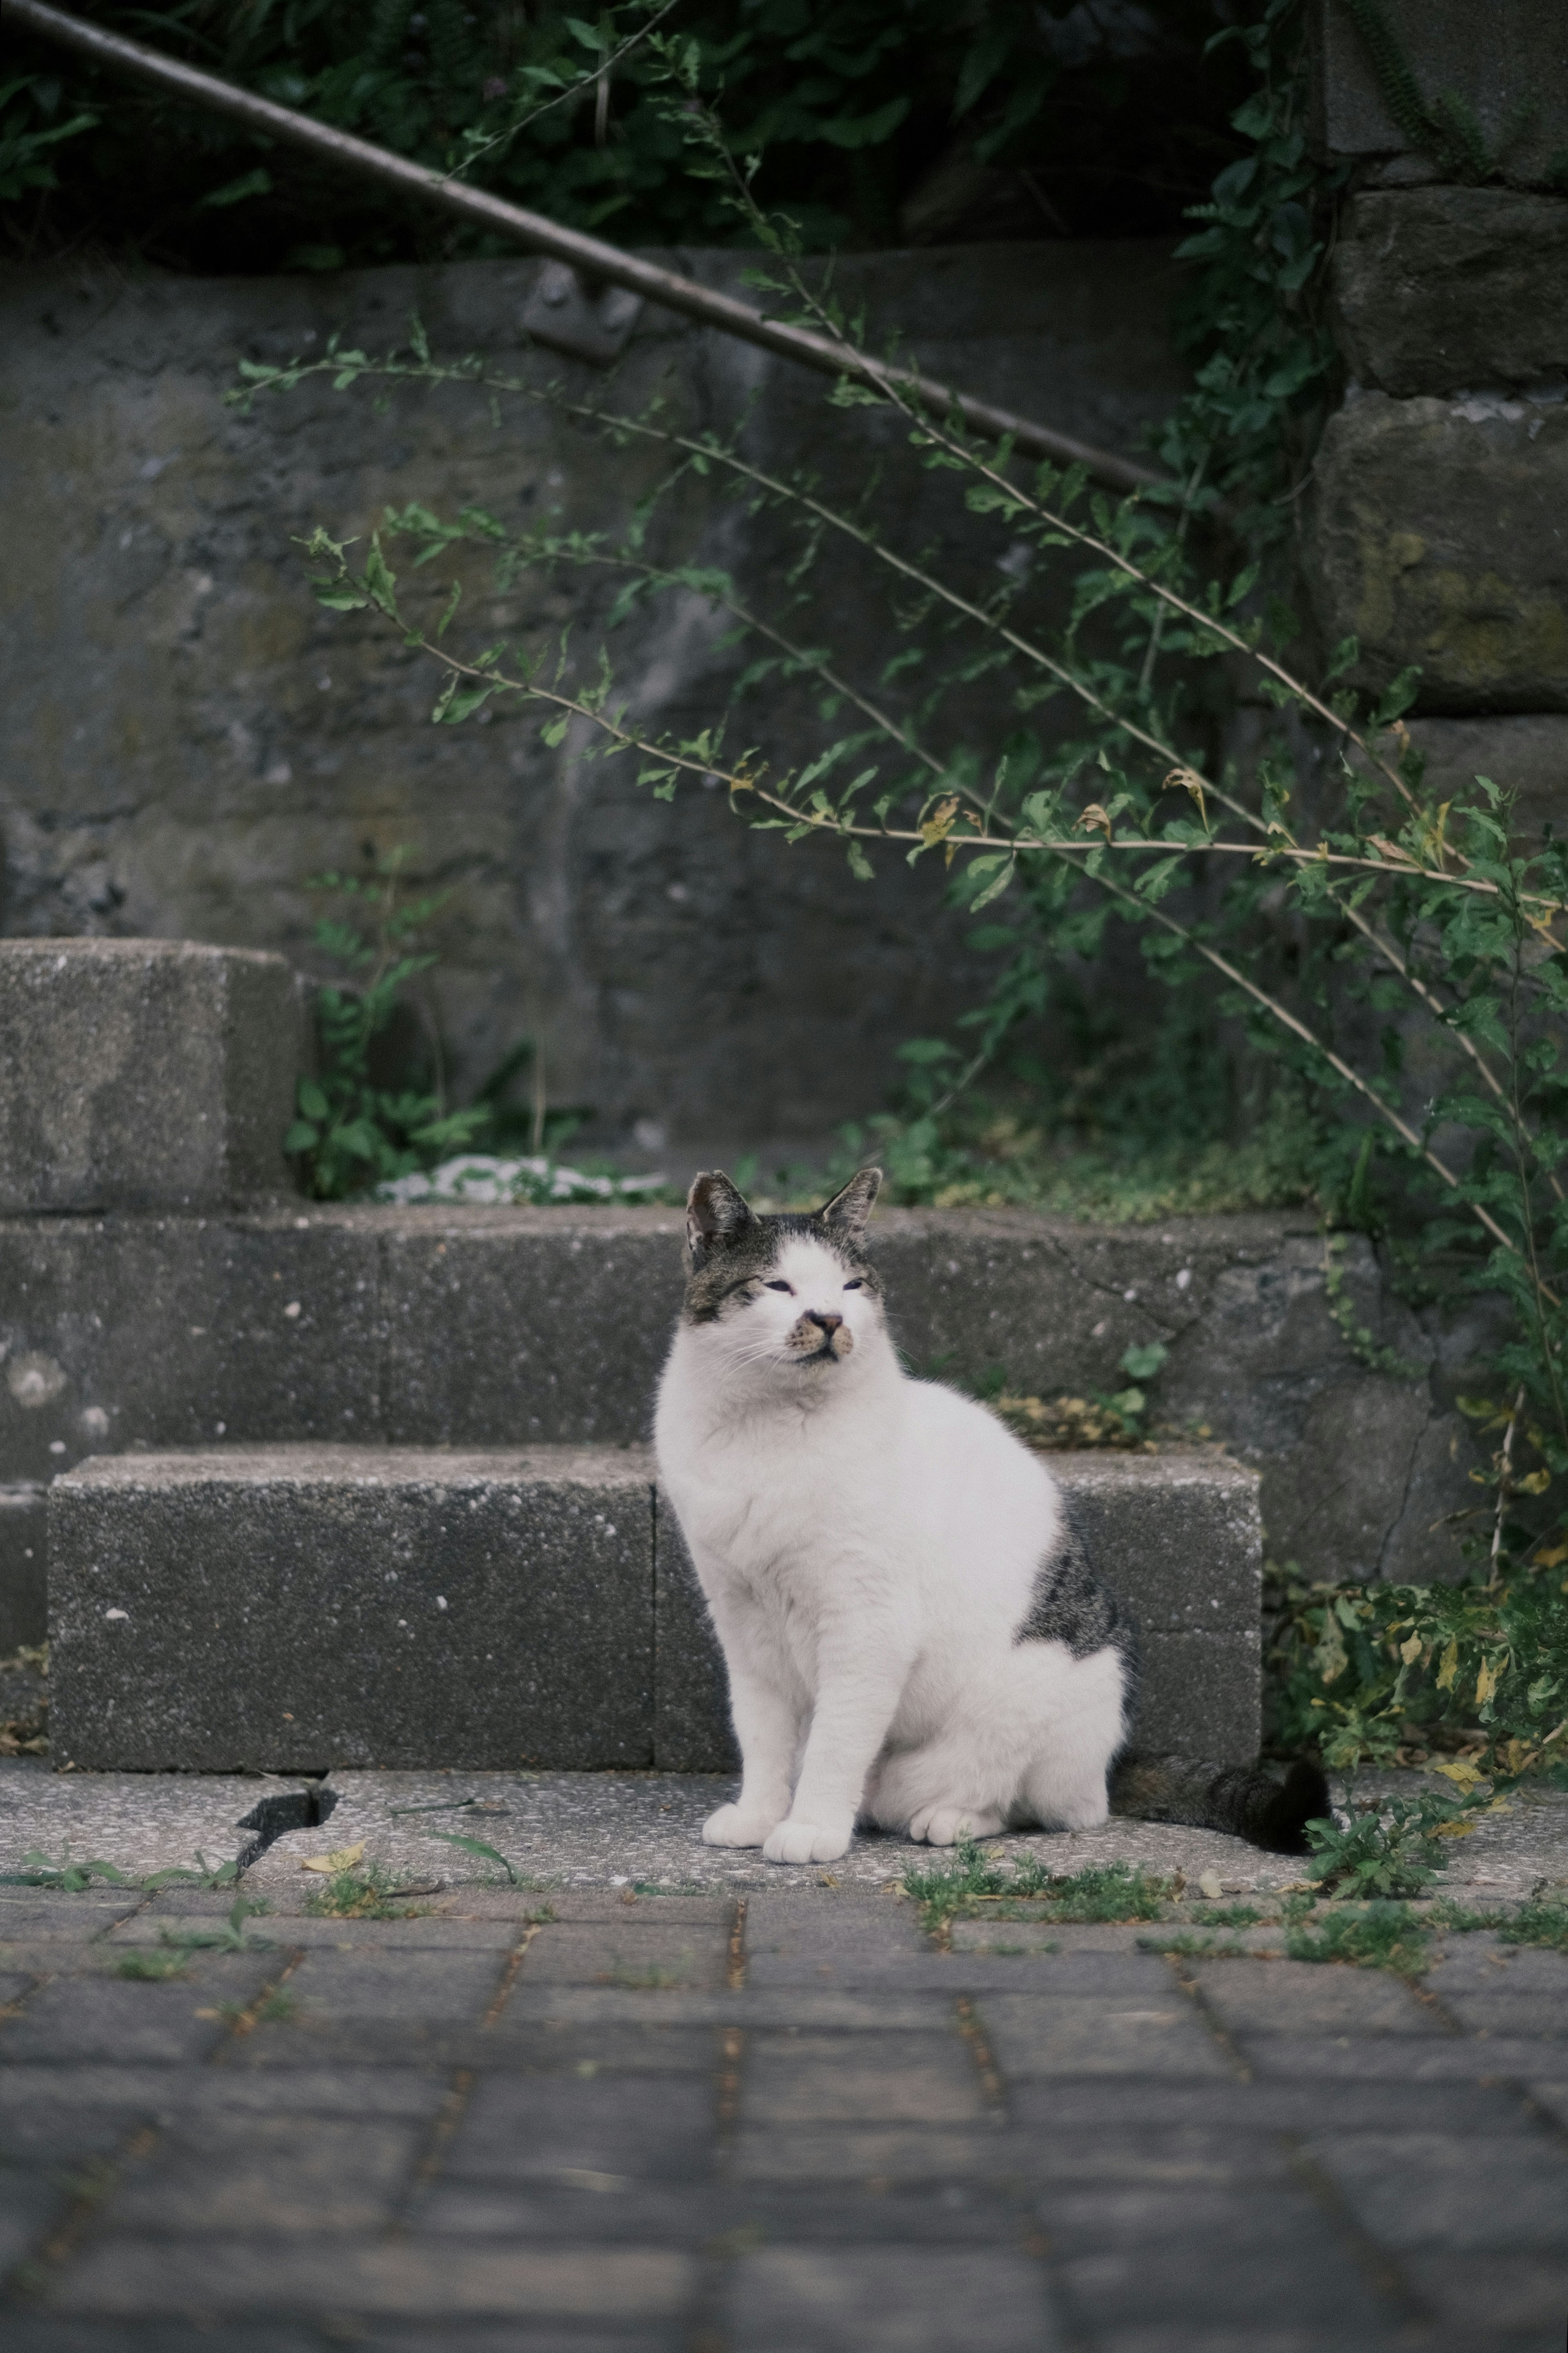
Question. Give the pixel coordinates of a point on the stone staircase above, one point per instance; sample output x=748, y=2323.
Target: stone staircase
x=324, y=1486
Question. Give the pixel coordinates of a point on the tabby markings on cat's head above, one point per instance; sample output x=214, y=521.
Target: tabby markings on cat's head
x=795, y=1290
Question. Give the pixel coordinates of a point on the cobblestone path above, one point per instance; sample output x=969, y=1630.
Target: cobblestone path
x=779, y=2123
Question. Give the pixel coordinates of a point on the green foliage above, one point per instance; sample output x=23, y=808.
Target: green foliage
x=350, y=1132
x=30, y=132
x=482, y=1852
x=1391, y=1846
x=1378, y=1935
x=230, y=1935
x=364, y=1893
x=1109, y=1892
x=41, y=1870
x=1392, y=1674
x=1543, y=1920
x=1320, y=916
x=154, y=1967
x=849, y=101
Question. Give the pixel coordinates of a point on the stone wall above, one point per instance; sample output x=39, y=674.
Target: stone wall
x=188, y=736
x=1438, y=520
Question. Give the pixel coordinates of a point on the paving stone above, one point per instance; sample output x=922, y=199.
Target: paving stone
x=1296, y=2105
x=1431, y=2190
x=432, y=1988
x=1544, y=2015
x=565, y=2049
x=1485, y=2296
x=638, y=1953
x=590, y=2205
x=866, y=2154
x=95, y=2099
x=805, y=2008
x=163, y=1567
x=1553, y=2098
x=1481, y=1963
x=1073, y=1972
x=1395, y=2058
x=309, y=1930
x=278, y=2175
x=436, y=2280
x=816, y=2080
x=1168, y=2155
x=75, y=2019
x=1312, y=1997
x=534, y=2129
x=887, y=2301
x=1244, y=2265
x=50, y=2334
x=139, y=1074
x=31, y=2205
x=1079, y=2035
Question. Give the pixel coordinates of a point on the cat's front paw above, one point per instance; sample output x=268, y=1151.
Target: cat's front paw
x=799, y=1841
x=945, y=1825
x=733, y=1826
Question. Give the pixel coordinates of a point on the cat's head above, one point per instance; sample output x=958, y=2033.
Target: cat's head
x=793, y=1295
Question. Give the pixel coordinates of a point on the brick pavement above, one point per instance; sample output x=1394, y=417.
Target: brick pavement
x=768, y=2123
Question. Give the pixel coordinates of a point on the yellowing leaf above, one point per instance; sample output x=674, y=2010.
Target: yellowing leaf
x=1449, y=1668
x=1556, y=1558
x=343, y=1857
x=1536, y=1484
x=1458, y=1828
x=1490, y=1675
x=940, y=821
x=1094, y=819
x=1211, y=1885
x=1463, y=1772
x=1411, y=1650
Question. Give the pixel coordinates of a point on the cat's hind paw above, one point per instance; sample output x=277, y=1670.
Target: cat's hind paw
x=945, y=1825
x=734, y=1826
x=799, y=1841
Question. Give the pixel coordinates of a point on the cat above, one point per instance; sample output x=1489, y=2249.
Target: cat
x=914, y=1638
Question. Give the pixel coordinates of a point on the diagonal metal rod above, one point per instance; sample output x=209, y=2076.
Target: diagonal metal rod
x=585, y=254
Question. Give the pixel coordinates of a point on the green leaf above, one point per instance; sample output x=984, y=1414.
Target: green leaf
x=475, y=1847
x=234, y=192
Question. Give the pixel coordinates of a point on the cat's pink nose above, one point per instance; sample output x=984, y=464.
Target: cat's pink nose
x=828, y=1324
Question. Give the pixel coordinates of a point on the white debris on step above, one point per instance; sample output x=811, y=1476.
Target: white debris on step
x=536, y=1181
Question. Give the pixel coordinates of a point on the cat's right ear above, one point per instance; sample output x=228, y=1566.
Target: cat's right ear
x=716, y=1215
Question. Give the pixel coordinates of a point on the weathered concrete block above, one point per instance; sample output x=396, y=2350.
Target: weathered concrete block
x=452, y=1325
x=516, y=1326
x=1178, y=1536
x=1508, y=68
x=1527, y=755
x=24, y=1560
x=1445, y=290
x=1437, y=540
x=154, y=1331
x=143, y=1074
x=293, y=1607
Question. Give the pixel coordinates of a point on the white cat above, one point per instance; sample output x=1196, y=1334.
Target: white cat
x=912, y=1633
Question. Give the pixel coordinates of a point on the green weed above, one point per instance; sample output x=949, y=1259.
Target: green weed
x=154, y=1967
x=1227, y=1915
x=365, y=1892
x=1541, y=1921
x=229, y=1936
x=1393, y=1847
x=1103, y=1892
x=1380, y=1936
x=59, y=1871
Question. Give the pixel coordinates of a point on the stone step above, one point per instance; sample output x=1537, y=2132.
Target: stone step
x=449, y=1326
x=294, y=1609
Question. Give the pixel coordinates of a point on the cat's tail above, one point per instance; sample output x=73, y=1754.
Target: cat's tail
x=1239, y=1799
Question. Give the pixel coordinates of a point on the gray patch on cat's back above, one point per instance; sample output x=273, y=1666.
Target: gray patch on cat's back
x=1070, y=1605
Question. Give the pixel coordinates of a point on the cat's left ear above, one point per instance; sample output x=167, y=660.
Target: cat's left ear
x=849, y=1211
x=715, y=1214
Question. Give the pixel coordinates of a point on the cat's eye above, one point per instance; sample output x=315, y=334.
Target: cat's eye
x=856, y=1285
x=783, y=1286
